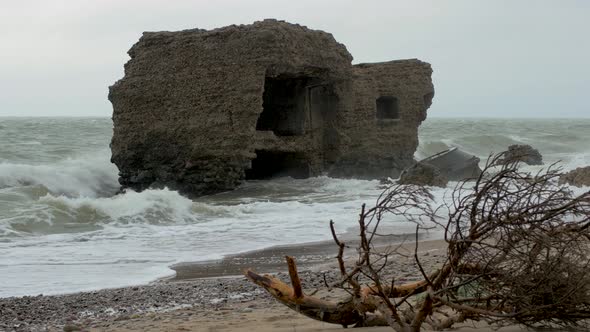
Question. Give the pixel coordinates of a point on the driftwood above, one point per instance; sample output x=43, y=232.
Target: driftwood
x=518, y=252
x=343, y=313
x=336, y=313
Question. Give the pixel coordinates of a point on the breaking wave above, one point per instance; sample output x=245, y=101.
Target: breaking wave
x=52, y=214
x=91, y=175
x=57, y=212
x=257, y=203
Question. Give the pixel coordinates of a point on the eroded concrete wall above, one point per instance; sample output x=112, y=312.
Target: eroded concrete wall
x=375, y=147
x=186, y=112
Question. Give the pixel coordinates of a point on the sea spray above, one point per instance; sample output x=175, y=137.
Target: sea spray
x=62, y=229
x=90, y=175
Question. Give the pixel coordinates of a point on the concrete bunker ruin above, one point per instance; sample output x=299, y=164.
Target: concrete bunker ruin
x=200, y=111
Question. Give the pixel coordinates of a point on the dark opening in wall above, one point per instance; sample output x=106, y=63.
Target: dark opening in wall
x=273, y=164
x=387, y=108
x=283, y=106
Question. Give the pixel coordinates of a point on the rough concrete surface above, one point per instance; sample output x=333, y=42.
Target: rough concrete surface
x=200, y=111
x=524, y=153
x=578, y=177
x=423, y=174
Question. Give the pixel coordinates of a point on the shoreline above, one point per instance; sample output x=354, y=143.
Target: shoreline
x=267, y=260
x=309, y=255
x=199, y=289
x=207, y=300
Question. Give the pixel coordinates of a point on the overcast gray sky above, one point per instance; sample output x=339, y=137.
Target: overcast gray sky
x=500, y=58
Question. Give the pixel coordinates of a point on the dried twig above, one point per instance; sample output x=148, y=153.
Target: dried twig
x=517, y=252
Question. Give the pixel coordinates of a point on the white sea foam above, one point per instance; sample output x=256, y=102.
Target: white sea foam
x=62, y=230
x=89, y=175
x=577, y=160
x=137, y=231
x=161, y=205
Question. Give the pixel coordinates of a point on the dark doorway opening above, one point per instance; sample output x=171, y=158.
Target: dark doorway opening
x=283, y=106
x=273, y=164
x=387, y=108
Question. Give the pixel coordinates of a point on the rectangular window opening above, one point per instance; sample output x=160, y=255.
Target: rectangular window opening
x=387, y=107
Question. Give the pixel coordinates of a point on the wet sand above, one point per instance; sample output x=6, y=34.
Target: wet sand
x=313, y=255
x=210, y=296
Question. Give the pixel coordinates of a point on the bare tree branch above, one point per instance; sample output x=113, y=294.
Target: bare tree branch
x=518, y=252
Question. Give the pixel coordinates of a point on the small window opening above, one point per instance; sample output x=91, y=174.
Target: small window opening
x=273, y=164
x=283, y=106
x=387, y=108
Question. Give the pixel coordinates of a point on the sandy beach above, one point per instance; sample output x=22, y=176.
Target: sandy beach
x=203, y=293
x=207, y=296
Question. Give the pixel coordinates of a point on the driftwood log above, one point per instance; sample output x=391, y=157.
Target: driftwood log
x=344, y=313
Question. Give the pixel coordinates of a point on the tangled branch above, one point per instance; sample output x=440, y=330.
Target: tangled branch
x=517, y=253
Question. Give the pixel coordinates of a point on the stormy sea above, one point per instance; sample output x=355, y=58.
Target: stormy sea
x=63, y=229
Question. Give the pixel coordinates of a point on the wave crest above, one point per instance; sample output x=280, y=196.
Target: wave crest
x=91, y=175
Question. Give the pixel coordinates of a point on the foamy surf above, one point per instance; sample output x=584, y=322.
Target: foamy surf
x=88, y=175
x=160, y=228
x=63, y=230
